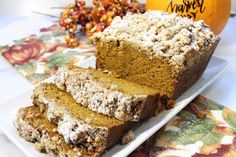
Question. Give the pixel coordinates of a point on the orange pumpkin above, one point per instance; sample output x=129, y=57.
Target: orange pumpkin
x=214, y=12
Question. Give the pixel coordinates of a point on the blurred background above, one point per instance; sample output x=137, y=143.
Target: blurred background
x=24, y=7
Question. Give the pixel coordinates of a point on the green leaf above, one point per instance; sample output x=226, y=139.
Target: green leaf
x=230, y=117
x=214, y=106
x=29, y=68
x=187, y=116
x=37, y=77
x=73, y=53
x=210, y=104
x=45, y=37
x=60, y=59
x=58, y=33
x=166, y=138
x=193, y=129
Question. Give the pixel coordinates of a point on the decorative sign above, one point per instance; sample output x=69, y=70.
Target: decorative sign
x=214, y=12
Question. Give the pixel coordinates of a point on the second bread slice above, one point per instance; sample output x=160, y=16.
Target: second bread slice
x=76, y=123
x=107, y=94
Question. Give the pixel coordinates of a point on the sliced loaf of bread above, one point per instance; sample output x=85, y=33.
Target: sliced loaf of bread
x=107, y=94
x=78, y=124
x=32, y=126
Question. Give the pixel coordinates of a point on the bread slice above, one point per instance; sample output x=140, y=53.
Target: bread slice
x=34, y=127
x=76, y=123
x=156, y=49
x=107, y=94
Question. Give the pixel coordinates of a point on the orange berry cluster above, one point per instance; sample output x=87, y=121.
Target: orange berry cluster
x=96, y=18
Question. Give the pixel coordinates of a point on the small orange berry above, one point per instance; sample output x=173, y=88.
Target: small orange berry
x=88, y=26
x=104, y=17
x=109, y=20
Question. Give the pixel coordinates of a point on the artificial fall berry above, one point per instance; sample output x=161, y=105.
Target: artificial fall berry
x=96, y=18
x=62, y=23
x=67, y=38
x=109, y=20
x=88, y=26
x=104, y=17
x=81, y=2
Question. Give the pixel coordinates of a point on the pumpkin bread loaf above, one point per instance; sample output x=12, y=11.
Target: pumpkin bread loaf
x=34, y=127
x=76, y=123
x=107, y=94
x=164, y=51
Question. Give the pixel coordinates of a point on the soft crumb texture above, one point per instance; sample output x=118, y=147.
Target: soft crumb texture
x=103, y=93
x=128, y=137
x=76, y=131
x=34, y=127
x=39, y=147
x=77, y=124
x=167, y=35
x=155, y=49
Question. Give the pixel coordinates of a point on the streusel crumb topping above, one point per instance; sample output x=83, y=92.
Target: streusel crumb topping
x=160, y=34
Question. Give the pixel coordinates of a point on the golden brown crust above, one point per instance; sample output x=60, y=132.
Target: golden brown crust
x=167, y=83
x=169, y=37
x=105, y=94
x=34, y=127
x=171, y=70
x=78, y=124
x=190, y=75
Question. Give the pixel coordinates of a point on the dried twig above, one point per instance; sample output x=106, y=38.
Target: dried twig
x=35, y=12
x=58, y=8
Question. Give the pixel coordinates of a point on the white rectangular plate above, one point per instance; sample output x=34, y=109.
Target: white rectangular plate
x=142, y=131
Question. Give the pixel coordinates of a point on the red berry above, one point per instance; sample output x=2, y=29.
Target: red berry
x=94, y=19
